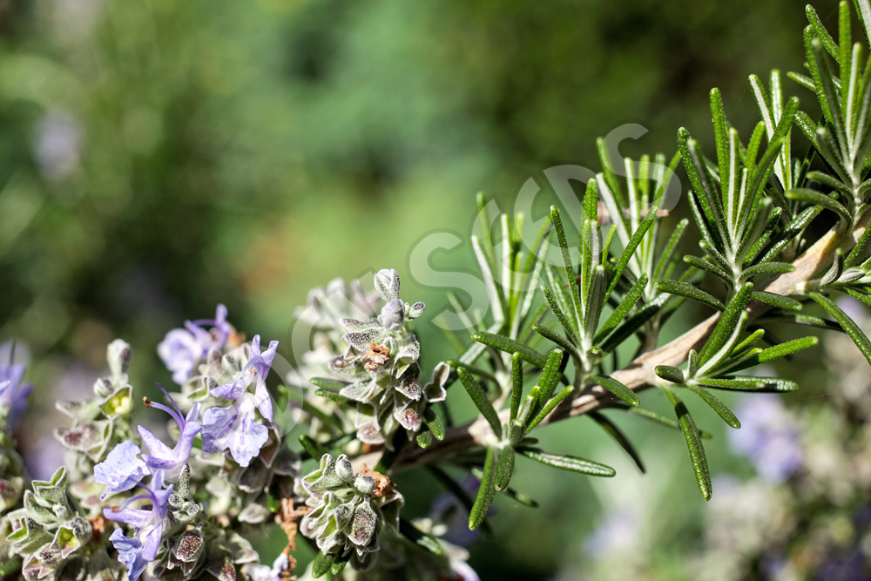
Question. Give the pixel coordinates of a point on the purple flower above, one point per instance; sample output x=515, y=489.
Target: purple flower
x=234, y=428
x=137, y=551
x=162, y=457
x=769, y=437
x=256, y=370
x=122, y=469
x=182, y=349
x=13, y=395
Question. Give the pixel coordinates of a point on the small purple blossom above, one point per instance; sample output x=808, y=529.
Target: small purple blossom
x=137, y=551
x=769, y=437
x=182, y=349
x=13, y=394
x=256, y=370
x=162, y=457
x=235, y=429
x=122, y=469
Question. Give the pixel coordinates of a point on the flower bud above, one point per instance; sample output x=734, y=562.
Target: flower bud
x=392, y=315
x=118, y=353
x=387, y=284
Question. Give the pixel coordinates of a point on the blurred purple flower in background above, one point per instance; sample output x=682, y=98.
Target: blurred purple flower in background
x=13, y=394
x=446, y=509
x=58, y=145
x=617, y=533
x=182, y=349
x=850, y=566
x=769, y=437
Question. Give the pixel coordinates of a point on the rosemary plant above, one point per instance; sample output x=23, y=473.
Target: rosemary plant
x=777, y=237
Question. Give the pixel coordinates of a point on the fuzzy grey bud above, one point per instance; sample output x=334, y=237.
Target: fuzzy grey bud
x=416, y=310
x=344, y=470
x=387, y=284
x=118, y=354
x=392, y=315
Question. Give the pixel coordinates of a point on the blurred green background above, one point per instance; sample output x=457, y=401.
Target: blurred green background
x=158, y=157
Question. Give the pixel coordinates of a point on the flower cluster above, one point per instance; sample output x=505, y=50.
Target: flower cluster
x=382, y=367
x=172, y=534
x=226, y=368
x=348, y=510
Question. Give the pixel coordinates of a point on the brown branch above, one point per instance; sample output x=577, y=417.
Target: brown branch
x=639, y=374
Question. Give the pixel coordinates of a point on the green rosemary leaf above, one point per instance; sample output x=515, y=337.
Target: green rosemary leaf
x=727, y=324
x=820, y=31
x=560, y=314
x=479, y=398
x=505, y=468
x=776, y=300
x=685, y=289
x=472, y=369
x=627, y=253
x=567, y=263
x=328, y=384
x=596, y=299
x=793, y=229
x=321, y=565
x=486, y=492
x=555, y=337
x=769, y=268
x=434, y=423
x=707, y=266
x=850, y=327
x=718, y=406
x=570, y=463
x=551, y=374
x=669, y=373
x=424, y=439
x=660, y=419
x=516, y=384
x=507, y=345
x=331, y=395
x=828, y=181
x=633, y=323
x=748, y=383
x=694, y=444
x=549, y=407
x=623, y=308
x=807, y=196
x=617, y=389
